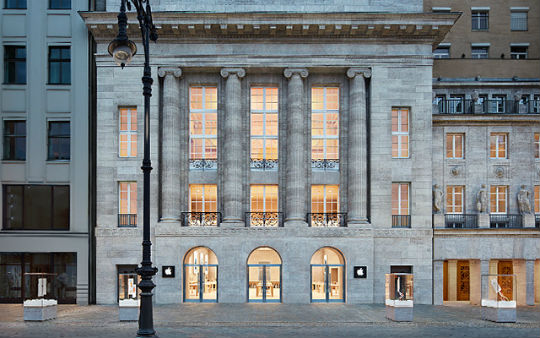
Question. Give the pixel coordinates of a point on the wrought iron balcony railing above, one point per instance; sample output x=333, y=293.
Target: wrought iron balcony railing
x=264, y=219
x=127, y=220
x=401, y=221
x=497, y=106
x=505, y=221
x=325, y=164
x=332, y=219
x=461, y=221
x=202, y=219
x=203, y=164
x=263, y=164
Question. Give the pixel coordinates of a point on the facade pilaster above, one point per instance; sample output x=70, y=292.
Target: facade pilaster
x=529, y=271
x=357, y=153
x=296, y=169
x=438, y=282
x=232, y=147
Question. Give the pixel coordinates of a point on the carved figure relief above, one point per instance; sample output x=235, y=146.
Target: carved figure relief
x=523, y=199
x=437, y=199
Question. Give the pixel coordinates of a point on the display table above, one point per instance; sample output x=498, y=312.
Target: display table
x=499, y=311
x=399, y=297
x=399, y=310
x=128, y=309
x=40, y=309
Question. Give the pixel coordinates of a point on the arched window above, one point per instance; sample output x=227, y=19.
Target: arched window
x=264, y=276
x=200, y=275
x=327, y=276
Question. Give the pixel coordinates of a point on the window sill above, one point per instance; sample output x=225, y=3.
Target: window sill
x=5, y=84
x=13, y=161
x=59, y=85
x=58, y=161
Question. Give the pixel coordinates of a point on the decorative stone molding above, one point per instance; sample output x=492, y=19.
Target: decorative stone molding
x=455, y=171
x=174, y=71
x=365, y=72
x=499, y=172
x=289, y=72
x=239, y=72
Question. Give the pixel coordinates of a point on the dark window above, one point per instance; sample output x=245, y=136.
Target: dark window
x=519, y=52
x=15, y=4
x=59, y=65
x=400, y=269
x=59, y=141
x=59, y=4
x=442, y=52
x=36, y=207
x=480, y=52
x=15, y=140
x=480, y=20
x=15, y=64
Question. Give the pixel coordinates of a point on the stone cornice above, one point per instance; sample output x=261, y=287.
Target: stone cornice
x=482, y=119
x=289, y=72
x=239, y=72
x=174, y=71
x=365, y=72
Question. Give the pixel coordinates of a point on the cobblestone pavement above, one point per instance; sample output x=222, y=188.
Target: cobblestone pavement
x=271, y=320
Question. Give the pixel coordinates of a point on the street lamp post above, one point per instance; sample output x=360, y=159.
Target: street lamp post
x=122, y=50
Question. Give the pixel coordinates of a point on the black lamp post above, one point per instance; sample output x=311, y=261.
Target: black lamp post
x=122, y=50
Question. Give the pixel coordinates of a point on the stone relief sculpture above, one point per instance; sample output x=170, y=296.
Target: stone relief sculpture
x=482, y=199
x=437, y=199
x=523, y=198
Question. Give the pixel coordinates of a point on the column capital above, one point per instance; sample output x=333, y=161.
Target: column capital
x=289, y=72
x=174, y=71
x=239, y=72
x=365, y=72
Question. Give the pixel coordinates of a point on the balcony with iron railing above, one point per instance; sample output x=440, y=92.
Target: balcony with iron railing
x=332, y=219
x=460, y=221
x=127, y=220
x=496, y=106
x=505, y=221
x=401, y=221
x=264, y=219
x=203, y=219
x=263, y=164
x=325, y=164
x=202, y=164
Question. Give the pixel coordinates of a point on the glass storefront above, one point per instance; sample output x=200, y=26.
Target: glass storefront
x=200, y=275
x=327, y=276
x=264, y=276
x=127, y=282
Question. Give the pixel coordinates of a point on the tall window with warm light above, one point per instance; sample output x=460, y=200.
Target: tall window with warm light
x=400, y=132
x=498, y=145
x=325, y=125
x=498, y=199
x=455, y=199
x=203, y=123
x=127, y=204
x=264, y=128
x=128, y=132
x=455, y=146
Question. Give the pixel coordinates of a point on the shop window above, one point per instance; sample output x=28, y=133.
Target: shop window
x=264, y=276
x=327, y=276
x=200, y=276
x=128, y=281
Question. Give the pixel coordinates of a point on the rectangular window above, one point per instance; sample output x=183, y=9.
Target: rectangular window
x=59, y=65
x=400, y=199
x=455, y=199
x=59, y=4
x=203, y=198
x=455, y=146
x=15, y=64
x=536, y=145
x=15, y=140
x=537, y=199
x=498, y=145
x=59, y=140
x=325, y=198
x=519, y=20
x=325, y=123
x=127, y=204
x=498, y=198
x=536, y=104
x=15, y=4
x=264, y=127
x=480, y=52
x=127, y=282
x=519, y=52
x=128, y=132
x=498, y=104
x=456, y=104
x=400, y=132
x=36, y=207
x=203, y=123
x=264, y=198
x=442, y=52
x=480, y=20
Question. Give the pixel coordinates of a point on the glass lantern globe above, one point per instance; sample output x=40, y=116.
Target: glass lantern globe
x=122, y=51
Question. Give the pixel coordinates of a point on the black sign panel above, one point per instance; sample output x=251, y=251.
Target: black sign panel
x=360, y=272
x=167, y=271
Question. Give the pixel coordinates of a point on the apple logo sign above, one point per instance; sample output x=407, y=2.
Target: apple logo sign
x=167, y=271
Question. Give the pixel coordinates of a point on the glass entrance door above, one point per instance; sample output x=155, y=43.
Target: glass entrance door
x=327, y=282
x=264, y=283
x=201, y=282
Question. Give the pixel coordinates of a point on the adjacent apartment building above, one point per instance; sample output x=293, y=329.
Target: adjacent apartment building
x=44, y=171
x=486, y=162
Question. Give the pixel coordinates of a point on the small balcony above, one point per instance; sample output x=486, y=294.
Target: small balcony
x=325, y=165
x=202, y=164
x=497, y=106
x=263, y=164
x=401, y=221
x=264, y=219
x=201, y=219
x=331, y=220
x=460, y=221
x=505, y=221
x=127, y=220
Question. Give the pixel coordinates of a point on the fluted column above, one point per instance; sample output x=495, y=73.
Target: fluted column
x=357, y=147
x=171, y=159
x=296, y=171
x=232, y=146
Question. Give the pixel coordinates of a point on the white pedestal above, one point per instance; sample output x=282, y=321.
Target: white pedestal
x=438, y=221
x=399, y=310
x=40, y=309
x=128, y=309
x=500, y=312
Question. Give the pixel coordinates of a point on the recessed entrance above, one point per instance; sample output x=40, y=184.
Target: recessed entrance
x=327, y=276
x=264, y=276
x=200, y=275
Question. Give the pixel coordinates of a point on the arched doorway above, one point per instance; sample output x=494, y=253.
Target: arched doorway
x=327, y=276
x=264, y=276
x=200, y=275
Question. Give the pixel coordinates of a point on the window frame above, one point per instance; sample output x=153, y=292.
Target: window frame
x=264, y=197
x=519, y=55
x=59, y=136
x=401, y=134
x=479, y=16
x=514, y=27
x=19, y=2
x=494, y=146
x=61, y=62
x=9, y=139
x=536, y=146
x=131, y=145
x=203, y=111
x=399, y=199
x=15, y=61
x=59, y=2
x=446, y=55
x=453, y=137
x=452, y=191
x=475, y=52
x=497, y=193
x=129, y=198
x=325, y=203
x=264, y=112
x=325, y=111
x=204, y=199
